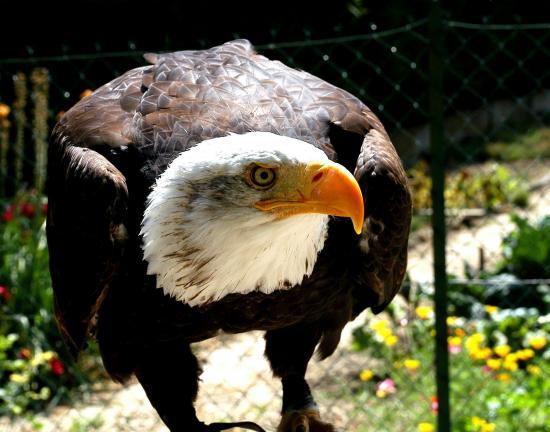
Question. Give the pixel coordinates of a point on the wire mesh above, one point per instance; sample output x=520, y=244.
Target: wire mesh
x=495, y=119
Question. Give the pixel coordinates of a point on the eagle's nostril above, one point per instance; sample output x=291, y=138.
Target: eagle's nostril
x=317, y=177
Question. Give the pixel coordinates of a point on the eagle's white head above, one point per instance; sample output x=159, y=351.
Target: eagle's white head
x=243, y=213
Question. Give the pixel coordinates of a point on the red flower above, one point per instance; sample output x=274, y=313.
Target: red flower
x=435, y=404
x=28, y=210
x=25, y=354
x=8, y=214
x=45, y=208
x=56, y=366
x=5, y=293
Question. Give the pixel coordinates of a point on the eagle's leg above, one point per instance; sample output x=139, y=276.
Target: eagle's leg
x=169, y=375
x=289, y=351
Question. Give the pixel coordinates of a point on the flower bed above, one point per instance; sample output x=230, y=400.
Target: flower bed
x=498, y=338
x=35, y=369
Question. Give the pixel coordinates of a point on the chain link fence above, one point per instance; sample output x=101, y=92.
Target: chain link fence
x=496, y=141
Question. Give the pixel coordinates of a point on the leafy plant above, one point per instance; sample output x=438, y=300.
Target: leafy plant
x=470, y=189
x=504, y=290
x=526, y=253
x=24, y=255
x=527, y=249
x=529, y=144
x=35, y=368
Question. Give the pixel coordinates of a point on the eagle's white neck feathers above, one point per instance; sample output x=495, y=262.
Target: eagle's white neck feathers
x=203, y=238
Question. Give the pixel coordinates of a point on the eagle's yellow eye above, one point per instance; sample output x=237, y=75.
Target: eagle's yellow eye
x=262, y=177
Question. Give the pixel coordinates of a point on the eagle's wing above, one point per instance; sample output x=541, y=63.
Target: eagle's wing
x=388, y=210
x=87, y=208
x=361, y=143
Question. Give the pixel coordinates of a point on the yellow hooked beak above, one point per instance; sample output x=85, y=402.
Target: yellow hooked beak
x=323, y=187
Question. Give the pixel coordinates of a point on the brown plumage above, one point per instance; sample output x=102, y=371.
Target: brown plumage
x=104, y=157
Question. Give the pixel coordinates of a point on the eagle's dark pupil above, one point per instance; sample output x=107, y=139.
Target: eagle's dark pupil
x=262, y=177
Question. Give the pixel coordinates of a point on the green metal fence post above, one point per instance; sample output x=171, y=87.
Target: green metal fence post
x=437, y=168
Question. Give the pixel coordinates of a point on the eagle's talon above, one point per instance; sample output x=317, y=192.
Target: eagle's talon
x=307, y=420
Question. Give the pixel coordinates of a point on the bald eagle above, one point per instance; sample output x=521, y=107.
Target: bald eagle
x=217, y=190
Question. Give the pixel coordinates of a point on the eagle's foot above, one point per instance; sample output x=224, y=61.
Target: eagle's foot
x=306, y=420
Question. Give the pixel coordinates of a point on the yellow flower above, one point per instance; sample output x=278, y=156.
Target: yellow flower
x=424, y=312
x=42, y=358
x=451, y=320
x=4, y=111
x=494, y=364
x=384, y=333
x=425, y=427
x=534, y=369
x=382, y=330
x=48, y=355
x=473, y=342
x=511, y=357
x=510, y=362
x=525, y=354
x=481, y=354
x=491, y=309
x=483, y=425
x=477, y=421
x=502, y=350
x=366, y=375
x=477, y=337
x=381, y=393
x=411, y=365
x=390, y=340
x=19, y=378
x=538, y=342
x=510, y=365
x=504, y=377
x=454, y=340
x=379, y=325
